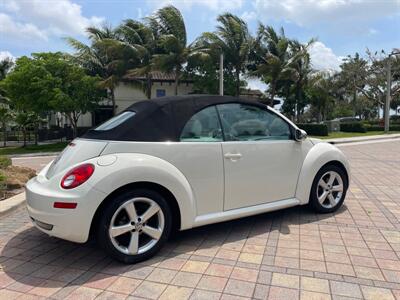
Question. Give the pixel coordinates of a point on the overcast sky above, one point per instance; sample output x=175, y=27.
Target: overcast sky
x=342, y=27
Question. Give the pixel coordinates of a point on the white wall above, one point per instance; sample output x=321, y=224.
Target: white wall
x=126, y=94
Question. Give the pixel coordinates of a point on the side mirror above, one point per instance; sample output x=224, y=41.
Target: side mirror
x=300, y=135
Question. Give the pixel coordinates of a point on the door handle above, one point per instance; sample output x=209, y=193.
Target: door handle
x=233, y=156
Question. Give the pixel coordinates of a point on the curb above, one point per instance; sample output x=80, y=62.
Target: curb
x=33, y=154
x=13, y=203
x=362, y=139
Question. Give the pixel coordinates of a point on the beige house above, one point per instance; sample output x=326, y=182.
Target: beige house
x=127, y=93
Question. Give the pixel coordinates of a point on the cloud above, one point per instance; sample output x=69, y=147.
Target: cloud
x=215, y=5
x=309, y=12
x=16, y=30
x=38, y=19
x=323, y=58
x=6, y=54
x=249, y=16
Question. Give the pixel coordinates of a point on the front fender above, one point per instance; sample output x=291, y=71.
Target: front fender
x=319, y=155
x=135, y=167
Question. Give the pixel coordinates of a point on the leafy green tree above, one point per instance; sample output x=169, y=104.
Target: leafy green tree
x=204, y=72
x=6, y=116
x=79, y=96
x=50, y=82
x=26, y=120
x=233, y=39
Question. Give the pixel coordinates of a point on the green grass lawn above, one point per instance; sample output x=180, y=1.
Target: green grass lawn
x=334, y=135
x=56, y=147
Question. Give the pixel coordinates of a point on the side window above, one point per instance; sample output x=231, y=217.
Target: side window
x=203, y=126
x=250, y=123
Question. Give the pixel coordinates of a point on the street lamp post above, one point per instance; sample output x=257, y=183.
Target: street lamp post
x=388, y=90
x=221, y=74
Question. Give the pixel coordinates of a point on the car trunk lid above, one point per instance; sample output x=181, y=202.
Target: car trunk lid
x=77, y=151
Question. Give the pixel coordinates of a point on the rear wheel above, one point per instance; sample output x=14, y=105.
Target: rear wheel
x=329, y=189
x=135, y=225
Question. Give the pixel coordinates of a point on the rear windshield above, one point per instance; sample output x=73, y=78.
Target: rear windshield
x=115, y=121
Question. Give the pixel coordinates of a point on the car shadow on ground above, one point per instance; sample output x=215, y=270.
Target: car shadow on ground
x=33, y=258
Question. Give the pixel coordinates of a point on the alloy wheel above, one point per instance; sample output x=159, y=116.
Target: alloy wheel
x=136, y=226
x=330, y=189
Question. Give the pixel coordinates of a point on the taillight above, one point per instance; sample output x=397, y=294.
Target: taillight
x=77, y=176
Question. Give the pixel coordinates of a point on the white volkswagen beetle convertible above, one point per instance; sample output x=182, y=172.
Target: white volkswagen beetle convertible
x=179, y=163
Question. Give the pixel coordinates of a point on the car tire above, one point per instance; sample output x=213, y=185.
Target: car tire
x=329, y=189
x=133, y=235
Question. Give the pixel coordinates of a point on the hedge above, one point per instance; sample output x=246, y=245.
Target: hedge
x=353, y=127
x=314, y=129
x=380, y=128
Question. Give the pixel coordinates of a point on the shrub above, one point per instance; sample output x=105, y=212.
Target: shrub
x=314, y=129
x=3, y=185
x=352, y=127
x=4, y=162
x=395, y=119
x=381, y=128
x=374, y=128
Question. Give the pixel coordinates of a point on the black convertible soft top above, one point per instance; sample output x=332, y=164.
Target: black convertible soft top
x=162, y=119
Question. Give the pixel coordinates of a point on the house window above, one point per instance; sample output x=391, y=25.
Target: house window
x=160, y=93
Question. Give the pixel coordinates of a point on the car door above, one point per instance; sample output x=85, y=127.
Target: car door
x=199, y=158
x=261, y=159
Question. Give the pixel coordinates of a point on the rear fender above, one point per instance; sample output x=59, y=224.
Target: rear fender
x=134, y=167
x=318, y=156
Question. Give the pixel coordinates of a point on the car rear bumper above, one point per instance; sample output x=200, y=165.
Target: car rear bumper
x=68, y=224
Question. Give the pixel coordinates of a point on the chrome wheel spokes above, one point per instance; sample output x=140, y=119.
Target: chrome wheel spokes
x=136, y=226
x=330, y=189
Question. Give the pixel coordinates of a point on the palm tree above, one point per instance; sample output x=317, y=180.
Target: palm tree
x=168, y=24
x=103, y=57
x=232, y=38
x=304, y=70
x=273, y=60
x=320, y=93
x=5, y=66
x=142, y=41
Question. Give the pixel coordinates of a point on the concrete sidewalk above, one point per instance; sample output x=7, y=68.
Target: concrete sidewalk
x=363, y=138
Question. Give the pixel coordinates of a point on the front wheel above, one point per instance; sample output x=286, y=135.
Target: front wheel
x=329, y=189
x=135, y=225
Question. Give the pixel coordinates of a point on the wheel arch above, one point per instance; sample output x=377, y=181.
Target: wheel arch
x=163, y=191
x=319, y=156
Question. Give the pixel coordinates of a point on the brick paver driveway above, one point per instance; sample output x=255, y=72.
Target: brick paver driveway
x=354, y=253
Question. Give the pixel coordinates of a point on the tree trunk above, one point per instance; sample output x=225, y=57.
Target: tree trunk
x=273, y=88
x=355, y=102
x=377, y=111
x=237, y=75
x=24, y=136
x=74, y=124
x=114, y=106
x=298, y=101
x=36, y=134
x=177, y=74
x=4, y=134
x=148, y=85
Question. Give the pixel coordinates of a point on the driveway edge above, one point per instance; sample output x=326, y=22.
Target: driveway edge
x=9, y=205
